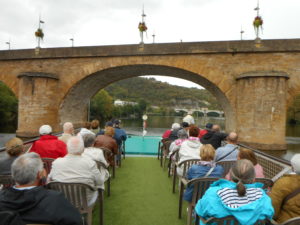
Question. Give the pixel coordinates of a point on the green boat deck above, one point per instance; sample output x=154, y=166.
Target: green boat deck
x=141, y=195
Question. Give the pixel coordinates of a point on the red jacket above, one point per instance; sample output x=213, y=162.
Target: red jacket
x=48, y=146
x=167, y=134
x=202, y=133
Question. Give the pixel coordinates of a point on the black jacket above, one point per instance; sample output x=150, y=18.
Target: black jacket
x=213, y=138
x=39, y=205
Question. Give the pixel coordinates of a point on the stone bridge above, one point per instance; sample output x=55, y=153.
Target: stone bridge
x=253, y=83
x=203, y=111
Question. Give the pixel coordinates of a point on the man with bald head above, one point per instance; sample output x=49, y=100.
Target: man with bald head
x=68, y=132
x=213, y=136
x=230, y=150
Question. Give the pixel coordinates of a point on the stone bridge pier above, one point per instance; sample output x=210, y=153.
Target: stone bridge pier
x=261, y=109
x=38, y=103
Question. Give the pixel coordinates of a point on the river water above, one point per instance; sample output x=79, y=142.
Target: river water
x=156, y=125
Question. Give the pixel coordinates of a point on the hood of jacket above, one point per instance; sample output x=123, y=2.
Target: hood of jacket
x=246, y=214
x=20, y=200
x=193, y=143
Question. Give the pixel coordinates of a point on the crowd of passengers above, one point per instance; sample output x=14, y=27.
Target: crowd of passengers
x=236, y=194
x=75, y=160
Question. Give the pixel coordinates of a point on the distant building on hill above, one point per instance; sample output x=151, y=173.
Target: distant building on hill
x=118, y=102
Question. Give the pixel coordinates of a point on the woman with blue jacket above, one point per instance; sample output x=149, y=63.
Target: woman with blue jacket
x=241, y=198
x=205, y=168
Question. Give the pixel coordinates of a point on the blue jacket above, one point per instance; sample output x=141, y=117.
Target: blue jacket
x=197, y=171
x=211, y=204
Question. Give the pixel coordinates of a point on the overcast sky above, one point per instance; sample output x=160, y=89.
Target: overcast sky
x=112, y=22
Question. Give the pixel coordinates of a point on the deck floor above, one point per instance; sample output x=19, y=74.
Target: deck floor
x=141, y=195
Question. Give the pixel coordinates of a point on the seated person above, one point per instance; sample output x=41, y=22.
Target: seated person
x=167, y=133
x=90, y=151
x=14, y=148
x=107, y=141
x=241, y=198
x=68, y=132
x=95, y=126
x=208, y=127
x=189, y=149
x=175, y=145
x=230, y=150
x=48, y=146
x=205, y=168
x=74, y=168
x=285, y=193
x=34, y=203
x=93, y=153
x=245, y=153
x=214, y=136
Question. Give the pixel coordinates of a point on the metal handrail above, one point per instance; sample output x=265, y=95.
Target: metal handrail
x=37, y=138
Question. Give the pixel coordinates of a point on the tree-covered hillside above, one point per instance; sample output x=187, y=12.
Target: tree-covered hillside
x=157, y=93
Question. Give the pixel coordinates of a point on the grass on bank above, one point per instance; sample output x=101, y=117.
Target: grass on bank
x=141, y=195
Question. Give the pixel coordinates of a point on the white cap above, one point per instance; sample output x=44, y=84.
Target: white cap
x=45, y=129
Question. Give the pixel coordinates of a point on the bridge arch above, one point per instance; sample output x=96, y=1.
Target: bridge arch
x=73, y=106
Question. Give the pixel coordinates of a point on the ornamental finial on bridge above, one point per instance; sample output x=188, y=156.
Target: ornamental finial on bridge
x=39, y=34
x=142, y=27
x=257, y=23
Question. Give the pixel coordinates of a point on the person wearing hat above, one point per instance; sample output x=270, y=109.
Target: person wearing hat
x=48, y=146
x=14, y=148
x=208, y=127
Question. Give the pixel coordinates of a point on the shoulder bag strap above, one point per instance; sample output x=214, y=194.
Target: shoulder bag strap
x=210, y=171
x=291, y=195
x=227, y=154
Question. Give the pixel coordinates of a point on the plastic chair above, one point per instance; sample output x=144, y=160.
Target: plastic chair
x=268, y=183
x=47, y=164
x=164, y=151
x=108, y=154
x=293, y=221
x=6, y=181
x=228, y=220
x=200, y=185
x=76, y=193
x=101, y=164
x=185, y=165
x=226, y=166
x=171, y=164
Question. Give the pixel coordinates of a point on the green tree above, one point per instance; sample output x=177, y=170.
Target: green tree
x=8, y=109
x=102, y=106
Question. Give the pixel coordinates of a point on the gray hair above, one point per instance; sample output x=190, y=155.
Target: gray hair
x=88, y=139
x=175, y=126
x=25, y=168
x=182, y=134
x=295, y=161
x=68, y=127
x=242, y=172
x=75, y=145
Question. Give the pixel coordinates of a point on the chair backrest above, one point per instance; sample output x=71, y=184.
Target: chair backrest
x=226, y=166
x=228, y=220
x=200, y=187
x=76, y=193
x=101, y=164
x=47, y=164
x=268, y=183
x=6, y=181
x=186, y=164
x=175, y=155
x=293, y=221
x=107, y=153
x=166, y=145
